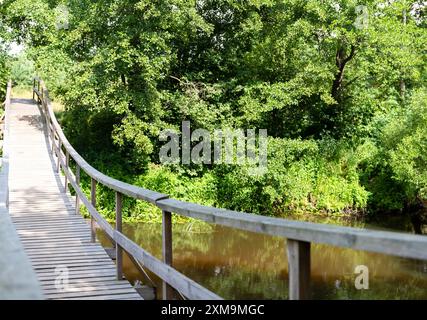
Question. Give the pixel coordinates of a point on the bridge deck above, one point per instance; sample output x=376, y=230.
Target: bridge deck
x=53, y=236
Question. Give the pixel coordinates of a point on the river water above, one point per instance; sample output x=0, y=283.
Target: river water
x=244, y=265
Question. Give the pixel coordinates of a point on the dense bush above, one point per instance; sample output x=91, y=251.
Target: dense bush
x=396, y=171
x=4, y=75
x=406, y=139
x=304, y=175
x=22, y=71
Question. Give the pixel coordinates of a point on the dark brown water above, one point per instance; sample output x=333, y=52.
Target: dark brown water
x=243, y=265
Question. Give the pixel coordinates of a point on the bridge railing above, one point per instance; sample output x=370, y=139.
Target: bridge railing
x=17, y=278
x=298, y=235
x=4, y=132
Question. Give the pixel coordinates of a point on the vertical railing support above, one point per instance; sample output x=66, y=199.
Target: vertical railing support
x=93, y=201
x=78, y=184
x=167, y=250
x=119, y=251
x=45, y=95
x=299, y=266
x=50, y=132
x=53, y=142
x=67, y=165
x=58, y=154
x=34, y=87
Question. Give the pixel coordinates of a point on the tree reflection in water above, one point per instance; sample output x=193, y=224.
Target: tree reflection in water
x=243, y=265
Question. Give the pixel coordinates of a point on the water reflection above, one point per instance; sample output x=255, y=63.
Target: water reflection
x=243, y=265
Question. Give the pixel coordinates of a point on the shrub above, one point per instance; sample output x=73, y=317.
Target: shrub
x=408, y=157
x=302, y=175
x=4, y=75
x=22, y=71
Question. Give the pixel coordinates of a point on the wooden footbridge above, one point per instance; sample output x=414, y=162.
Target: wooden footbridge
x=48, y=251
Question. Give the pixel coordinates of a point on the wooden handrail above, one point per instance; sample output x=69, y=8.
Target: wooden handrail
x=391, y=243
x=4, y=171
x=299, y=235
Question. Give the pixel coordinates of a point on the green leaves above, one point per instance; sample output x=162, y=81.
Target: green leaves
x=408, y=154
x=22, y=71
x=31, y=21
x=330, y=80
x=303, y=175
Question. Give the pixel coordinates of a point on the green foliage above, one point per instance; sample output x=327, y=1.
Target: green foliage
x=406, y=135
x=4, y=74
x=200, y=190
x=22, y=71
x=53, y=66
x=330, y=92
x=396, y=171
x=305, y=175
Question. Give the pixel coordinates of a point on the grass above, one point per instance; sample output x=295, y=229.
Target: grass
x=58, y=107
x=22, y=92
x=25, y=92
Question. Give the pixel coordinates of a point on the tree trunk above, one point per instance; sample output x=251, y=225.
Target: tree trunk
x=341, y=61
x=402, y=81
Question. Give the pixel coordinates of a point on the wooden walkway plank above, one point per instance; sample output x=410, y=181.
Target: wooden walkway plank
x=52, y=235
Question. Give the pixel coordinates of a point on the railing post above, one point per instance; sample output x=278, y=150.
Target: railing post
x=67, y=165
x=59, y=154
x=50, y=131
x=53, y=141
x=47, y=119
x=93, y=201
x=34, y=87
x=167, y=250
x=299, y=266
x=78, y=184
x=44, y=95
x=119, y=251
